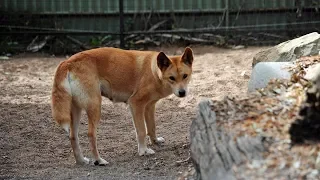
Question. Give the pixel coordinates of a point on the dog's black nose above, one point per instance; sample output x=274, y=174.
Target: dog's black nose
x=182, y=92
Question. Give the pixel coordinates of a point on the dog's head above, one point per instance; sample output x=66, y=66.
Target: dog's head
x=176, y=71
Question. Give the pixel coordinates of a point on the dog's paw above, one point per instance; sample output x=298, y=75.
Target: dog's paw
x=145, y=151
x=83, y=161
x=159, y=140
x=101, y=162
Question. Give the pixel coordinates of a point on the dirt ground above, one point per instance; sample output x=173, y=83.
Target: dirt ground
x=32, y=146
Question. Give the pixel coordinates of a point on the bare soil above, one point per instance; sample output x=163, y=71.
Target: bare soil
x=32, y=146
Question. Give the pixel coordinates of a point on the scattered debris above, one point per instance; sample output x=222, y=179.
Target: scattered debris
x=307, y=127
x=178, y=163
x=152, y=163
x=243, y=74
x=147, y=41
x=4, y=57
x=157, y=25
x=38, y=44
x=237, y=47
x=190, y=174
x=283, y=113
x=83, y=46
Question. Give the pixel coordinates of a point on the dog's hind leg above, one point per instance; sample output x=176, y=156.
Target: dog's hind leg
x=74, y=129
x=94, y=115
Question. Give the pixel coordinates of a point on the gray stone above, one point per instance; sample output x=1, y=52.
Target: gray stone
x=263, y=72
x=313, y=74
x=290, y=50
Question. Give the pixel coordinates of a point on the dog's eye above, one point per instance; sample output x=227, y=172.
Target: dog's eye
x=172, y=78
x=185, y=76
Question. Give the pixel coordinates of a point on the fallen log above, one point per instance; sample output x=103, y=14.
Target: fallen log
x=214, y=150
x=307, y=127
x=258, y=137
x=76, y=41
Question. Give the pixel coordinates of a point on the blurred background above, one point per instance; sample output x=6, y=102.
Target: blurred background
x=64, y=27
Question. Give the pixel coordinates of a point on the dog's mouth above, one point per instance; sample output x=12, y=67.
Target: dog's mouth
x=181, y=96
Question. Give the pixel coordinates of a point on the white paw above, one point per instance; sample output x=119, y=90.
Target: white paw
x=145, y=151
x=159, y=140
x=101, y=162
x=86, y=160
x=83, y=161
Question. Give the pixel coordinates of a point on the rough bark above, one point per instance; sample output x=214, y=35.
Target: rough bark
x=214, y=150
x=307, y=127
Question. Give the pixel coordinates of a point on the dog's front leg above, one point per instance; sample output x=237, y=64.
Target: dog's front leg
x=137, y=108
x=150, y=122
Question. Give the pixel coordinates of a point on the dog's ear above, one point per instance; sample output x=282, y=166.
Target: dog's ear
x=187, y=56
x=163, y=61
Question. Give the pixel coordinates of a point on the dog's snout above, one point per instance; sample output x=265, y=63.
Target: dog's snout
x=182, y=92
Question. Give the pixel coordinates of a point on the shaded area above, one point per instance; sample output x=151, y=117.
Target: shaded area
x=307, y=127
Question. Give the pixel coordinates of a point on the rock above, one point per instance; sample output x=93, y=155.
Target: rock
x=4, y=57
x=244, y=74
x=290, y=50
x=263, y=72
x=317, y=163
x=313, y=73
x=238, y=47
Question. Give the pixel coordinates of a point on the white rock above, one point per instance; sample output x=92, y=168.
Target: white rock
x=263, y=72
x=290, y=50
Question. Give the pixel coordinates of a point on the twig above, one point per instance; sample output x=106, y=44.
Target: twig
x=156, y=26
x=222, y=19
x=173, y=17
x=77, y=42
x=183, y=161
x=238, y=13
x=273, y=35
x=148, y=20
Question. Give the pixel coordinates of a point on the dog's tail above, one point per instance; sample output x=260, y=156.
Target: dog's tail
x=61, y=98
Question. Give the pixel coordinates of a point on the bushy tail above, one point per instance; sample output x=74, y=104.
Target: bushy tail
x=61, y=99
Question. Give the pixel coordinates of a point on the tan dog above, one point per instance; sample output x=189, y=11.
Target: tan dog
x=139, y=78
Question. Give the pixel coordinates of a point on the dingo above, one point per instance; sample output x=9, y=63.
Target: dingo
x=139, y=78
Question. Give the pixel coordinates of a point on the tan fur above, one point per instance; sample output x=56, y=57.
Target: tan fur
x=139, y=78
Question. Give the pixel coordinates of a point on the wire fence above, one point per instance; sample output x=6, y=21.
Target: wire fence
x=75, y=25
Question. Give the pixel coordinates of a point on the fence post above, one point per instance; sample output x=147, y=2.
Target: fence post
x=122, y=43
x=227, y=14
